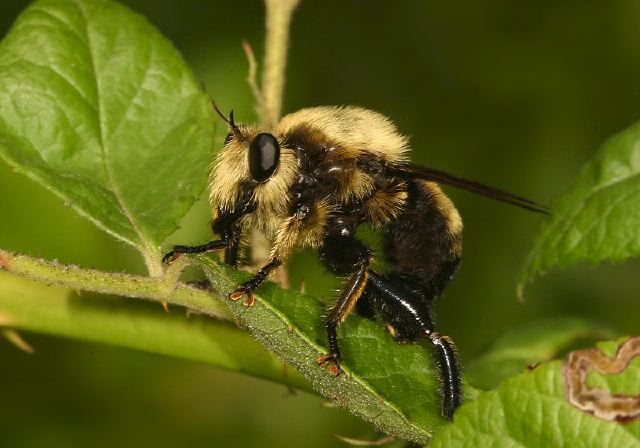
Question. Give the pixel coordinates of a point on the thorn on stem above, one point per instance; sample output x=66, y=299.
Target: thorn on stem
x=16, y=340
x=359, y=442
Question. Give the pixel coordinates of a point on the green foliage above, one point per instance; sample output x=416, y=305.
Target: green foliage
x=530, y=409
x=100, y=108
x=66, y=312
x=527, y=345
x=121, y=131
x=392, y=385
x=597, y=219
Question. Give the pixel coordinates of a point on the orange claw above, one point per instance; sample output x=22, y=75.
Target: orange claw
x=238, y=293
x=249, y=300
x=170, y=258
x=334, y=369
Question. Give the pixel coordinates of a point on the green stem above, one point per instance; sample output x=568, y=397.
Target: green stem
x=164, y=290
x=152, y=257
x=278, y=19
x=36, y=307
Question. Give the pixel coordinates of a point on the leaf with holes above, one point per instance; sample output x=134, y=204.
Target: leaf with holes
x=598, y=218
x=100, y=108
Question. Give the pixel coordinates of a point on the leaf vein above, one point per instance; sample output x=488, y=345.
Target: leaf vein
x=583, y=204
x=103, y=136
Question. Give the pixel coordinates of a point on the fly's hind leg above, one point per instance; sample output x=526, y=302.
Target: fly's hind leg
x=449, y=373
x=403, y=304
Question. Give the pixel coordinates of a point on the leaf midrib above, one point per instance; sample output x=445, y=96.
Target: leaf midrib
x=147, y=241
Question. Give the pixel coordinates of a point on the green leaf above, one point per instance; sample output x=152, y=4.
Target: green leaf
x=36, y=307
x=394, y=386
x=531, y=410
x=527, y=345
x=598, y=218
x=99, y=108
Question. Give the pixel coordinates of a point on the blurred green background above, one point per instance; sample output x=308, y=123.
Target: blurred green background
x=515, y=94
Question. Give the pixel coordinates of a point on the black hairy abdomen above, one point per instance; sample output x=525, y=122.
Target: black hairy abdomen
x=420, y=244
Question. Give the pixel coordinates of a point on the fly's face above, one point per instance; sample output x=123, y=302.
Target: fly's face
x=254, y=163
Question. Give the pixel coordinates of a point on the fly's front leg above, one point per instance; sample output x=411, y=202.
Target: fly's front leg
x=226, y=225
x=180, y=250
x=232, y=236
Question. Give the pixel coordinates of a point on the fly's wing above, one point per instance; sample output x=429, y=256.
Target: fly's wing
x=431, y=174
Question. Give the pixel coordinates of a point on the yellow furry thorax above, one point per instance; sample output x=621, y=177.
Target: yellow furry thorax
x=351, y=133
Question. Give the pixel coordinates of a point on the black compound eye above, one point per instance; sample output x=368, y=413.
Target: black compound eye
x=264, y=155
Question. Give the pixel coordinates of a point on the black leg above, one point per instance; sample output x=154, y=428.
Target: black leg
x=249, y=286
x=364, y=308
x=403, y=305
x=349, y=295
x=226, y=225
x=180, y=250
x=449, y=372
x=344, y=255
x=231, y=252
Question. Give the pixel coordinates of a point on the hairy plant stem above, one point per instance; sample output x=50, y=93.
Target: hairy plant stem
x=164, y=290
x=42, y=307
x=268, y=99
x=278, y=19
